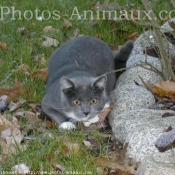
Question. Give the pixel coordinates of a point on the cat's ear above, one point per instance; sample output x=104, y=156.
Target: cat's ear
x=100, y=82
x=66, y=84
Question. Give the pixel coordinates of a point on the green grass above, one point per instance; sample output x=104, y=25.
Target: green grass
x=20, y=52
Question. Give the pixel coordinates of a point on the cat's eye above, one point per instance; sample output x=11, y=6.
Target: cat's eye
x=93, y=101
x=76, y=102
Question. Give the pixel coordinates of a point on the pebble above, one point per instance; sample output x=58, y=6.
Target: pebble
x=164, y=104
x=3, y=105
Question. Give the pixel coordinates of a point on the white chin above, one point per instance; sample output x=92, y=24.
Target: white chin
x=90, y=121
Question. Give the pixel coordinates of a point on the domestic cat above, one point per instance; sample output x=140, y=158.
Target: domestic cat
x=78, y=87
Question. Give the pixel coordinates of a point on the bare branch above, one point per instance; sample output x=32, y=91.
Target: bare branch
x=165, y=57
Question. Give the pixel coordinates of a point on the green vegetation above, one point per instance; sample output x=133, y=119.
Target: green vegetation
x=22, y=48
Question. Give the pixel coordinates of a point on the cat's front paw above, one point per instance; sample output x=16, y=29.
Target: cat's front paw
x=67, y=126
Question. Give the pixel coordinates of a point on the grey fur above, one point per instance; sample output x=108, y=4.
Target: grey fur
x=122, y=57
x=77, y=72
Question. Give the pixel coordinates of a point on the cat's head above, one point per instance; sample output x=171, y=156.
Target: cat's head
x=83, y=99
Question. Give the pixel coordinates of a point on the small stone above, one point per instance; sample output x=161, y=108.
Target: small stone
x=160, y=105
x=20, y=169
x=157, y=106
x=173, y=108
x=167, y=114
x=3, y=105
x=165, y=99
x=166, y=141
x=40, y=18
x=170, y=104
x=167, y=106
x=25, y=32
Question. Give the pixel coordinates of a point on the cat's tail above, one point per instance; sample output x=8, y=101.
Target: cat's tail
x=122, y=56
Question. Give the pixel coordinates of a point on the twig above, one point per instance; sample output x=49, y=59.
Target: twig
x=118, y=70
x=10, y=75
x=147, y=85
x=7, y=77
x=152, y=68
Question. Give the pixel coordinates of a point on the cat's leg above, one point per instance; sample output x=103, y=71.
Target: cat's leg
x=67, y=126
x=49, y=109
x=63, y=121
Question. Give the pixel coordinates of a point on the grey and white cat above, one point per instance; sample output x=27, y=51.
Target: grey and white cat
x=77, y=87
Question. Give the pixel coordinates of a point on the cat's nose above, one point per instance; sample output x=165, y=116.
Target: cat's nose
x=86, y=113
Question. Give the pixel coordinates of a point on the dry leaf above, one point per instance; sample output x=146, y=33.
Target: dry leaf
x=36, y=107
x=166, y=18
x=59, y=167
x=25, y=32
x=50, y=29
x=109, y=136
x=48, y=42
x=11, y=139
x=101, y=170
x=42, y=61
x=24, y=68
x=76, y=32
x=133, y=36
x=73, y=148
x=13, y=106
x=172, y=25
x=20, y=29
x=106, y=6
x=4, y=122
x=40, y=74
x=165, y=88
x=102, y=161
x=105, y=112
x=32, y=121
x=98, y=36
x=102, y=117
x=67, y=23
x=115, y=47
x=13, y=93
x=51, y=156
x=51, y=124
x=3, y=46
x=11, y=135
x=152, y=51
x=87, y=144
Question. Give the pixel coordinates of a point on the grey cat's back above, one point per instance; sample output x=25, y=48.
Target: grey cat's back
x=84, y=53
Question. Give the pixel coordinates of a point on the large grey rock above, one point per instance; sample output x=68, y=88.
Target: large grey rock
x=147, y=39
x=166, y=27
x=141, y=128
x=151, y=167
x=135, y=74
x=129, y=121
x=137, y=56
x=129, y=97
